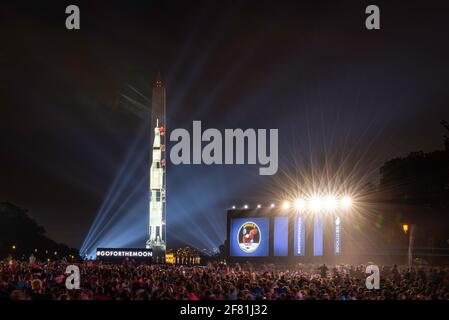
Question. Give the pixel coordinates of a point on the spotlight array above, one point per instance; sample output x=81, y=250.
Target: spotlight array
x=315, y=204
x=327, y=203
x=300, y=204
x=346, y=202
x=330, y=203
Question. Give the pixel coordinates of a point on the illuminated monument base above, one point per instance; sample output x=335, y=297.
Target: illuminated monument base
x=158, y=252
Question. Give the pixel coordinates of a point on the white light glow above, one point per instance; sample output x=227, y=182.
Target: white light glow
x=330, y=203
x=300, y=204
x=346, y=202
x=315, y=203
x=286, y=205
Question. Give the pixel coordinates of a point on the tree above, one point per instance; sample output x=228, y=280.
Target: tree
x=419, y=178
x=21, y=235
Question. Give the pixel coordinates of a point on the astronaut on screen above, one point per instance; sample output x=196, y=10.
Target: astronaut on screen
x=249, y=237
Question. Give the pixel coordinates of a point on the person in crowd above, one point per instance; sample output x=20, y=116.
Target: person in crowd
x=32, y=260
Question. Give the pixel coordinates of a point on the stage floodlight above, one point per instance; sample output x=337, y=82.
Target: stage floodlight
x=272, y=205
x=245, y=206
x=233, y=207
x=315, y=203
x=330, y=203
x=300, y=204
x=346, y=202
x=259, y=206
x=285, y=205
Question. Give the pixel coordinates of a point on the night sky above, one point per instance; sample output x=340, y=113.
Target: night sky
x=344, y=99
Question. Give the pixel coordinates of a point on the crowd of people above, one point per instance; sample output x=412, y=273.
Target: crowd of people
x=34, y=280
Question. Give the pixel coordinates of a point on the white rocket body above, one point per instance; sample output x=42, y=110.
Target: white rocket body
x=157, y=191
x=157, y=197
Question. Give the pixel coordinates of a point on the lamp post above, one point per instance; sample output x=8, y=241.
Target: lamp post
x=405, y=228
x=411, y=241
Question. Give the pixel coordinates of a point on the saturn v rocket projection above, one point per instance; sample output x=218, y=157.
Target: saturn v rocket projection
x=157, y=240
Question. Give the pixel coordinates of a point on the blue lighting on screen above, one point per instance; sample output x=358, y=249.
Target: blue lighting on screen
x=280, y=246
x=318, y=237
